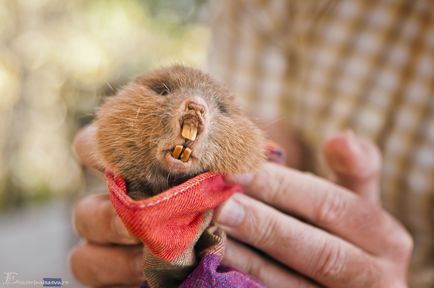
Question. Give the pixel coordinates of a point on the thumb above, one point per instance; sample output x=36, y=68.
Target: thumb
x=84, y=148
x=355, y=163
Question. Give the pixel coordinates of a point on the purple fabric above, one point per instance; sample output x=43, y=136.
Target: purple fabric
x=209, y=273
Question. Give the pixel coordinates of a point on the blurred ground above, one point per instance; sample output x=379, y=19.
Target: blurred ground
x=35, y=242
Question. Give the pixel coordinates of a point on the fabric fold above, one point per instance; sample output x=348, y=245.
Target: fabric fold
x=182, y=247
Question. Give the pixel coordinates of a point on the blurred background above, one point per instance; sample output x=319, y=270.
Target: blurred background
x=58, y=59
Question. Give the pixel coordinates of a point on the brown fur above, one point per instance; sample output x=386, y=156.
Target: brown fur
x=137, y=128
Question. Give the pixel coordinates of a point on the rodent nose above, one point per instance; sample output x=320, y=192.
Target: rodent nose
x=192, y=119
x=193, y=106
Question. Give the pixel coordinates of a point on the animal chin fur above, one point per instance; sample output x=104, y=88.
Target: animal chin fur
x=135, y=127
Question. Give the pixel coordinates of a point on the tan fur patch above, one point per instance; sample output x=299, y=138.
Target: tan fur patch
x=138, y=127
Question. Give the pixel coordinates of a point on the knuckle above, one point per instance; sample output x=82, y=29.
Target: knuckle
x=270, y=178
x=78, y=265
x=265, y=228
x=391, y=278
x=336, y=264
x=74, y=262
x=370, y=274
x=277, y=188
x=398, y=240
x=401, y=244
x=329, y=264
x=408, y=243
x=78, y=217
x=136, y=265
x=392, y=282
x=90, y=214
x=331, y=209
x=254, y=267
x=262, y=179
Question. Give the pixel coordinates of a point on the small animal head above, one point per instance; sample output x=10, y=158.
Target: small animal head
x=172, y=124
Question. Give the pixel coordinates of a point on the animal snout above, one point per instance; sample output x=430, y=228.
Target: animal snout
x=191, y=122
x=194, y=111
x=195, y=107
x=193, y=116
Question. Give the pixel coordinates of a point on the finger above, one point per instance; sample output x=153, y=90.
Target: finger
x=279, y=131
x=269, y=272
x=355, y=163
x=308, y=250
x=96, y=220
x=325, y=205
x=84, y=148
x=96, y=265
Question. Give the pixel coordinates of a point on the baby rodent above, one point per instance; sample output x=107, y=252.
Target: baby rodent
x=170, y=125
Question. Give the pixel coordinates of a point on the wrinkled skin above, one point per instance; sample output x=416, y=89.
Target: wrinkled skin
x=345, y=239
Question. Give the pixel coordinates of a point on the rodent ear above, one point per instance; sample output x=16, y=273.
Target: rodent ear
x=222, y=107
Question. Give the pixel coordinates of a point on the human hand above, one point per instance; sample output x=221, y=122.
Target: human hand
x=311, y=232
x=108, y=255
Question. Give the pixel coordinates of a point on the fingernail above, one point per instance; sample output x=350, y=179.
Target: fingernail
x=346, y=154
x=230, y=214
x=242, y=179
x=353, y=142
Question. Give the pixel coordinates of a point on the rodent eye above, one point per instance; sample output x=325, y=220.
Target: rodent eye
x=161, y=89
x=222, y=107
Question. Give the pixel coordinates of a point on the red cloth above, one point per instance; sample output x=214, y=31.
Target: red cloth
x=169, y=222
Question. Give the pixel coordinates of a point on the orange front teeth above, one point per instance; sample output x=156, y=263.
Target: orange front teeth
x=186, y=154
x=177, y=151
x=182, y=153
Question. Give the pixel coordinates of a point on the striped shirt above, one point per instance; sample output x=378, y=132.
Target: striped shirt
x=327, y=66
